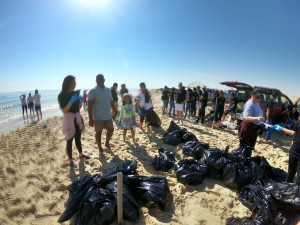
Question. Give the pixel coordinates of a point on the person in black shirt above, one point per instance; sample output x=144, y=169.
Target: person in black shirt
x=232, y=106
x=220, y=102
x=194, y=97
x=172, y=102
x=70, y=104
x=180, y=98
x=203, y=100
x=123, y=90
x=114, y=95
x=188, y=103
x=294, y=156
x=165, y=99
x=268, y=115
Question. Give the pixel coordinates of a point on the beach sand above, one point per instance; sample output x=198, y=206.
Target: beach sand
x=34, y=175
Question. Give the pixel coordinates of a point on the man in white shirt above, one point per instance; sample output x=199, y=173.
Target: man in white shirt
x=37, y=104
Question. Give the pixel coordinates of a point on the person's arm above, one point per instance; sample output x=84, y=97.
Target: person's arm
x=90, y=110
x=112, y=105
x=284, y=130
x=133, y=113
x=253, y=119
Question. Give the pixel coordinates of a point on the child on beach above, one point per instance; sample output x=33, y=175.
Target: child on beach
x=127, y=116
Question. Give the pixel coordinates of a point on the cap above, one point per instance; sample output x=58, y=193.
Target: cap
x=256, y=93
x=126, y=94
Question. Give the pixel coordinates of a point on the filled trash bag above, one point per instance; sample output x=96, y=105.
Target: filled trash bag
x=194, y=149
x=277, y=174
x=127, y=167
x=152, y=118
x=239, y=221
x=242, y=151
x=259, y=201
x=98, y=208
x=216, y=158
x=174, y=138
x=190, y=172
x=287, y=196
x=287, y=219
x=151, y=191
x=130, y=204
x=173, y=126
x=79, y=191
x=239, y=174
x=263, y=164
x=188, y=136
x=164, y=161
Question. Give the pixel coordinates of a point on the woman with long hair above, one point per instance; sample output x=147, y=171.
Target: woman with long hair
x=70, y=103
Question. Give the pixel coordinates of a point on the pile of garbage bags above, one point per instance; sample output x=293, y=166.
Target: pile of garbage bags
x=277, y=203
x=93, y=199
x=176, y=135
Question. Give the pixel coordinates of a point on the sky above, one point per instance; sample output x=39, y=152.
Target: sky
x=160, y=42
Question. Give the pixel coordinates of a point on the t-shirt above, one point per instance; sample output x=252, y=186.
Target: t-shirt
x=127, y=111
x=114, y=94
x=165, y=94
x=123, y=91
x=30, y=99
x=205, y=98
x=23, y=101
x=194, y=96
x=252, y=109
x=172, y=95
x=270, y=106
x=220, y=100
x=144, y=104
x=102, y=98
x=233, y=103
x=63, y=100
x=180, y=97
x=37, y=99
x=295, y=149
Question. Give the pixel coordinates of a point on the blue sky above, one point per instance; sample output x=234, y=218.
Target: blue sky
x=160, y=42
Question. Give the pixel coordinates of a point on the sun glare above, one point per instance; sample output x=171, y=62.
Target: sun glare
x=94, y=3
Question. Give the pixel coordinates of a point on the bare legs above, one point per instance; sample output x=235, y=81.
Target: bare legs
x=132, y=134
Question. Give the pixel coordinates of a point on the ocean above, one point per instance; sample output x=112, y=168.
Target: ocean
x=11, y=108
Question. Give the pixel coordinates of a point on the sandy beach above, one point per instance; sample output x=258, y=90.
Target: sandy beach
x=34, y=175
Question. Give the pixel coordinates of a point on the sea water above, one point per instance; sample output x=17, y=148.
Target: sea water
x=11, y=108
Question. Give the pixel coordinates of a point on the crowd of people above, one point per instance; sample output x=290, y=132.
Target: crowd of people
x=179, y=103
x=33, y=103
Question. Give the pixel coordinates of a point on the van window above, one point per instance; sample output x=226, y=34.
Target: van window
x=284, y=100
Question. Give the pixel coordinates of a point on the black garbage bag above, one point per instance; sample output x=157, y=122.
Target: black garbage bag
x=239, y=221
x=190, y=172
x=287, y=196
x=263, y=164
x=188, y=136
x=243, y=151
x=277, y=174
x=152, y=118
x=287, y=219
x=216, y=158
x=130, y=204
x=259, y=201
x=127, y=167
x=172, y=127
x=194, y=149
x=80, y=190
x=164, y=161
x=239, y=174
x=151, y=191
x=174, y=138
x=98, y=208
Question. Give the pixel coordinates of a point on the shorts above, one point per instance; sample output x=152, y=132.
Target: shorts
x=30, y=104
x=127, y=123
x=37, y=107
x=179, y=107
x=103, y=124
